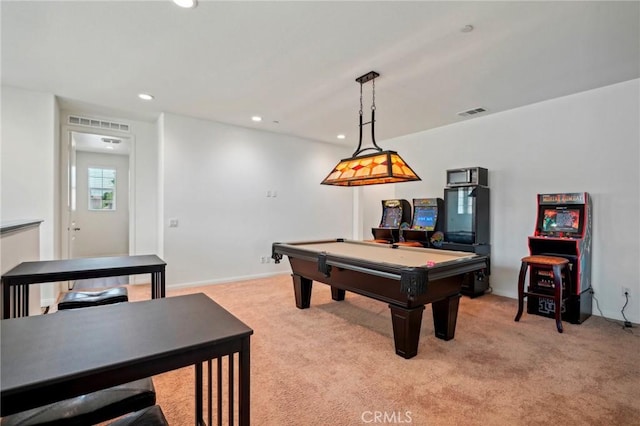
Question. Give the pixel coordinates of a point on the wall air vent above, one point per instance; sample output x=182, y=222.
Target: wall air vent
x=98, y=124
x=471, y=112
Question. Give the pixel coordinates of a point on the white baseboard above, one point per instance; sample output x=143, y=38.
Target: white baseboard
x=223, y=280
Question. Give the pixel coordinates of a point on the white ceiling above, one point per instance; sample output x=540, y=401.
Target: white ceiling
x=295, y=63
x=101, y=144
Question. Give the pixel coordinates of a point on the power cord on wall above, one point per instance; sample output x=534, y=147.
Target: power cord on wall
x=624, y=326
x=627, y=323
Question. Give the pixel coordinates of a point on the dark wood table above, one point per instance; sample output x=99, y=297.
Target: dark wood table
x=53, y=357
x=15, y=282
x=407, y=278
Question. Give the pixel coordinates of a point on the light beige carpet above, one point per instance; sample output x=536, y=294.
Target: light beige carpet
x=334, y=364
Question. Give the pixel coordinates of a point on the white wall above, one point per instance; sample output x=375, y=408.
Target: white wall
x=145, y=160
x=583, y=142
x=29, y=165
x=216, y=180
x=28, y=161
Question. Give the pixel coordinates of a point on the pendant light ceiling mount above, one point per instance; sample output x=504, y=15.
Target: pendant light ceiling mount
x=371, y=75
x=372, y=169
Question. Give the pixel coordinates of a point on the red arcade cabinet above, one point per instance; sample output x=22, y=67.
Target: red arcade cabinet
x=563, y=228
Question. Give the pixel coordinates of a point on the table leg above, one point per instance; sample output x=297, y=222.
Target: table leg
x=210, y=396
x=445, y=315
x=406, y=329
x=245, y=382
x=302, y=290
x=157, y=285
x=230, y=392
x=337, y=294
x=219, y=388
x=25, y=300
x=15, y=301
x=6, y=300
x=198, y=380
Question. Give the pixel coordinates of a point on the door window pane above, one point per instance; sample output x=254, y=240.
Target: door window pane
x=102, y=189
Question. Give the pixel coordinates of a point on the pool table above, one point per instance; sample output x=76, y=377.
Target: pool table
x=407, y=278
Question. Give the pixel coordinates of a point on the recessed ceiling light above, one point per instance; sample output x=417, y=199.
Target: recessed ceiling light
x=256, y=118
x=109, y=147
x=188, y=4
x=146, y=96
x=341, y=136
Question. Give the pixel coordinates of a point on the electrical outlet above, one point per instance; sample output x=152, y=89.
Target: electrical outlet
x=626, y=291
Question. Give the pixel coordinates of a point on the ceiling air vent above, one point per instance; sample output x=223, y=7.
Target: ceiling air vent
x=111, y=140
x=471, y=112
x=98, y=124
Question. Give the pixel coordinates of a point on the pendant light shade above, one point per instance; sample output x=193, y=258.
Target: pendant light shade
x=371, y=169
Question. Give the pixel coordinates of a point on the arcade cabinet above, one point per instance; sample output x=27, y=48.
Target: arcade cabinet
x=427, y=219
x=467, y=222
x=395, y=213
x=563, y=228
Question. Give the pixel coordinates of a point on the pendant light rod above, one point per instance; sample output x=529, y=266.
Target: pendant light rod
x=371, y=75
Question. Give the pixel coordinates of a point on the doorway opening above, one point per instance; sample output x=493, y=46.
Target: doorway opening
x=98, y=214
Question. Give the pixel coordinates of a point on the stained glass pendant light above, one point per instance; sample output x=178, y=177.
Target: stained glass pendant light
x=370, y=169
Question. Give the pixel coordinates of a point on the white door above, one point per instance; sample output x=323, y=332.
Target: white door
x=102, y=205
x=98, y=200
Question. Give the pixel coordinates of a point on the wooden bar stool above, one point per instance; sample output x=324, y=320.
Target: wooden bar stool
x=556, y=265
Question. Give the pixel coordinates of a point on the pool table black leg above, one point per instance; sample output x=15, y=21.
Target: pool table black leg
x=302, y=291
x=445, y=315
x=406, y=329
x=337, y=294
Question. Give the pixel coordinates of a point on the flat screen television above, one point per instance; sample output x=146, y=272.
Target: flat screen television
x=391, y=217
x=561, y=219
x=425, y=218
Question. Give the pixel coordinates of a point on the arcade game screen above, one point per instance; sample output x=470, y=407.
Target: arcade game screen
x=561, y=220
x=391, y=218
x=424, y=218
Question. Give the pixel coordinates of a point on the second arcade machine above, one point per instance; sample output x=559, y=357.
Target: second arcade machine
x=466, y=225
x=427, y=220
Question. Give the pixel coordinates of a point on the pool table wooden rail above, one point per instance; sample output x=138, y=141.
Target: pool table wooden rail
x=413, y=279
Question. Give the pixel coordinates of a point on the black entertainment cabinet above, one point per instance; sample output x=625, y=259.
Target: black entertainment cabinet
x=467, y=221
